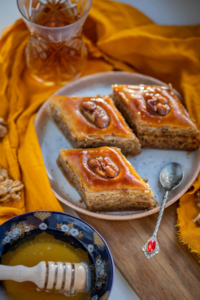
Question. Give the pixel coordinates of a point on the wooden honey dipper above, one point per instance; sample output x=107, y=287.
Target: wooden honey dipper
x=67, y=277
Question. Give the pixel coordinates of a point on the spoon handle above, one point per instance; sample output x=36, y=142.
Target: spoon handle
x=166, y=195
x=151, y=247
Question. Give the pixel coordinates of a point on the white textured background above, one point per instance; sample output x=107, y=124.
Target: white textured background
x=173, y=12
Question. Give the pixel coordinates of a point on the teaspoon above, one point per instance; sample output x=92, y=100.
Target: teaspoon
x=170, y=177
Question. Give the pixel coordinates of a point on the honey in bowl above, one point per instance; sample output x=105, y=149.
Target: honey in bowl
x=43, y=247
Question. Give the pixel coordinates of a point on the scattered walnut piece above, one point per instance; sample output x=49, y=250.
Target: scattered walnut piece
x=197, y=220
x=9, y=189
x=95, y=113
x=3, y=128
x=103, y=166
x=170, y=86
x=197, y=194
x=156, y=104
x=145, y=180
x=3, y=174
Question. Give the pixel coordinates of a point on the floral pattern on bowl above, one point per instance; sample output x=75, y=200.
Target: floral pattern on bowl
x=16, y=232
x=67, y=228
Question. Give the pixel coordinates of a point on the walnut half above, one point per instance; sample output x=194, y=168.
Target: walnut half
x=3, y=129
x=156, y=104
x=9, y=189
x=103, y=166
x=3, y=174
x=95, y=113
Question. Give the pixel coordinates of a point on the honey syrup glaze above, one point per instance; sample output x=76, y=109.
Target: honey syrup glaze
x=134, y=98
x=44, y=247
x=71, y=107
x=126, y=177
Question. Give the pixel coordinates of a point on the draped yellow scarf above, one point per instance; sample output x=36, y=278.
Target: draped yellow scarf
x=118, y=37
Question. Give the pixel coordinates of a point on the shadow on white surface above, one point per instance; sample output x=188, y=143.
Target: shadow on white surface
x=3, y=295
x=121, y=289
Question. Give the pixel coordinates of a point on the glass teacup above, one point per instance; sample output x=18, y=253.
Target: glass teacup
x=56, y=52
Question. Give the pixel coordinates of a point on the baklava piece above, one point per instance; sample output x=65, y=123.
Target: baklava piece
x=89, y=122
x=105, y=180
x=157, y=116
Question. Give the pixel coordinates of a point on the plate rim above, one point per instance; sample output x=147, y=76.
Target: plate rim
x=105, y=216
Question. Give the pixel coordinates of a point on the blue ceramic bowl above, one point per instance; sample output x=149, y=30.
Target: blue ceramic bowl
x=67, y=228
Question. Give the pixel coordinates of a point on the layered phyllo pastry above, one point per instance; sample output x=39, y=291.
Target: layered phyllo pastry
x=93, y=122
x=157, y=116
x=105, y=180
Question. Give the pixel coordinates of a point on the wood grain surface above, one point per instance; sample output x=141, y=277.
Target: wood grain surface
x=174, y=273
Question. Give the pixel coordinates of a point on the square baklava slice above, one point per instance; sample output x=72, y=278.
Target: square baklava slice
x=157, y=116
x=105, y=180
x=93, y=122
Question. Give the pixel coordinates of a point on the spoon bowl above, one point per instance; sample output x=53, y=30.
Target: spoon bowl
x=171, y=176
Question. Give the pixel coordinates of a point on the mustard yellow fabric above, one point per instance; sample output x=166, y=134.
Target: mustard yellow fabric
x=118, y=37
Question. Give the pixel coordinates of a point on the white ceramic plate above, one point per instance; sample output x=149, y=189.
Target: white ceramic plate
x=148, y=164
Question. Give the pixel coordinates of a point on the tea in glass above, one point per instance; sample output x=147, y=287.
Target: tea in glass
x=56, y=52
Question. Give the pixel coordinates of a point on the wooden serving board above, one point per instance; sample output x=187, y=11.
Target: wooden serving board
x=174, y=273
